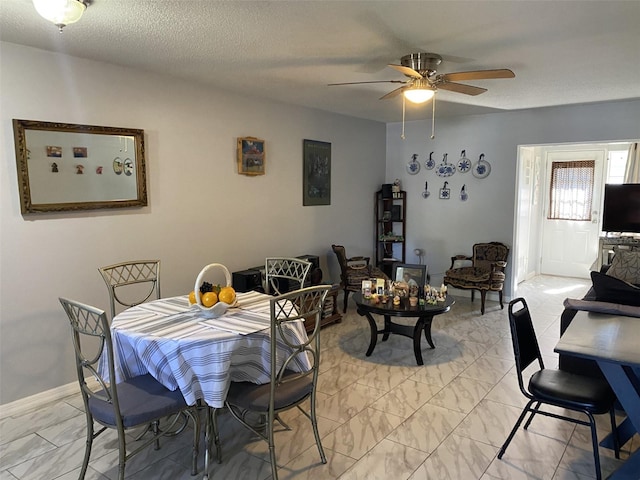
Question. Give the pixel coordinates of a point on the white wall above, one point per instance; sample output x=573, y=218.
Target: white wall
x=200, y=210
x=444, y=228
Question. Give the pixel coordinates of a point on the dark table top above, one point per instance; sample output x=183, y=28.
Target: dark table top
x=600, y=336
x=404, y=309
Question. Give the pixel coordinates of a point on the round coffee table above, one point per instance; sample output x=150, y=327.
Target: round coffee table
x=422, y=313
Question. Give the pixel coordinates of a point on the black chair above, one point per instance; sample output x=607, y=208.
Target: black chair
x=136, y=402
x=288, y=388
x=588, y=395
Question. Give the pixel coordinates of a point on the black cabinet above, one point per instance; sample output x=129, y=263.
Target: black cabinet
x=390, y=218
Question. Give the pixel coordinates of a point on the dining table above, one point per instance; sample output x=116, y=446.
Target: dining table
x=180, y=347
x=613, y=341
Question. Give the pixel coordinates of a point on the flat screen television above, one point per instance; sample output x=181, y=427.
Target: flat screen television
x=621, y=211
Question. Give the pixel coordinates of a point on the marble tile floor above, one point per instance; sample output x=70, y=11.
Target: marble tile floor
x=380, y=417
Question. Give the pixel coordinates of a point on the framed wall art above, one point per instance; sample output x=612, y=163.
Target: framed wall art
x=251, y=156
x=64, y=166
x=316, y=182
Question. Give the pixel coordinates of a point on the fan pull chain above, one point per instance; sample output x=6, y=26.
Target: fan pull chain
x=403, y=109
x=433, y=118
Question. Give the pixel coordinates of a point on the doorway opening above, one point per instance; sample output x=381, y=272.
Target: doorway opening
x=544, y=245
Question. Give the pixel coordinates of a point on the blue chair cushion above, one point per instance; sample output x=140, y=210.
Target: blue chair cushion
x=255, y=397
x=142, y=400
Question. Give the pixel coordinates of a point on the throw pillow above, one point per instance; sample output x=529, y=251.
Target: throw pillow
x=613, y=290
x=626, y=266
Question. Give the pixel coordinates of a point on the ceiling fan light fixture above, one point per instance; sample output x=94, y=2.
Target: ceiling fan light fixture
x=60, y=12
x=418, y=95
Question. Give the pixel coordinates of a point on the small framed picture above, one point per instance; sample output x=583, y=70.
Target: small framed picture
x=251, y=156
x=54, y=151
x=79, y=152
x=316, y=182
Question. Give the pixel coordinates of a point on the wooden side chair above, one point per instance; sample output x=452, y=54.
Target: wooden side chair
x=353, y=271
x=485, y=274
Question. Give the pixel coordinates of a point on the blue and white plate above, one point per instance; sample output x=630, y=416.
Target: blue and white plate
x=413, y=166
x=464, y=164
x=430, y=163
x=482, y=169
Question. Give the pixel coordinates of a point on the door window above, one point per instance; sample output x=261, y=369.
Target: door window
x=571, y=192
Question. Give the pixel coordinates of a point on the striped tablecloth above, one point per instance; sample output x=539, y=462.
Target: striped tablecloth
x=182, y=349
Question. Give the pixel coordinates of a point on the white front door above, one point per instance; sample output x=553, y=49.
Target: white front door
x=569, y=247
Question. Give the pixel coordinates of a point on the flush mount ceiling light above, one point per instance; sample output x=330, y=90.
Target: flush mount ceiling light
x=419, y=92
x=60, y=12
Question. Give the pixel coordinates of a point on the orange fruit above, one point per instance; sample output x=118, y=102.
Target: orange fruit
x=192, y=298
x=209, y=299
x=227, y=295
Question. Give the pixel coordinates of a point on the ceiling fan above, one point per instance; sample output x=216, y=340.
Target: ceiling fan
x=424, y=80
x=421, y=70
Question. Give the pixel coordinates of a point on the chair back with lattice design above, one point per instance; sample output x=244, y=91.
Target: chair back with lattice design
x=131, y=283
x=297, y=306
x=279, y=271
x=91, y=339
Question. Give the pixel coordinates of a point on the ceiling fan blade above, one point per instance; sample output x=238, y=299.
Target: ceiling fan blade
x=358, y=83
x=409, y=72
x=393, y=93
x=461, y=88
x=479, y=75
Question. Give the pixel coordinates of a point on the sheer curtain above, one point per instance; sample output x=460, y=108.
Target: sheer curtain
x=571, y=192
x=632, y=170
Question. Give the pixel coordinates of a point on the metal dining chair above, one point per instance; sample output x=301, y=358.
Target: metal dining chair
x=588, y=395
x=284, y=274
x=287, y=388
x=131, y=283
x=135, y=402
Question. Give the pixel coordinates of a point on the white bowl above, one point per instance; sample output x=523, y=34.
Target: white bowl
x=219, y=308
x=216, y=311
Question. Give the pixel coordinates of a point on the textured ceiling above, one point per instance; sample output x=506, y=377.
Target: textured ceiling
x=562, y=52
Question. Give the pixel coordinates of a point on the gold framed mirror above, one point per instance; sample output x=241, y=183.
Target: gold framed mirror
x=64, y=166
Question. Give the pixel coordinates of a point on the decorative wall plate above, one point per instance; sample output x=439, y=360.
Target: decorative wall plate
x=413, y=166
x=482, y=168
x=464, y=164
x=430, y=163
x=464, y=196
x=445, y=169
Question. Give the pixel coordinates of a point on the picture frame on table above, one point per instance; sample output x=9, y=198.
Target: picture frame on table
x=316, y=183
x=251, y=156
x=410, y=273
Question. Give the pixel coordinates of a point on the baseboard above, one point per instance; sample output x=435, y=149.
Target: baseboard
x=466, y=293
x=42, y=399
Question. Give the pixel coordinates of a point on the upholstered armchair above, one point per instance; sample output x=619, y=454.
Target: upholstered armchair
x=353, y=271
x=486, y=272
